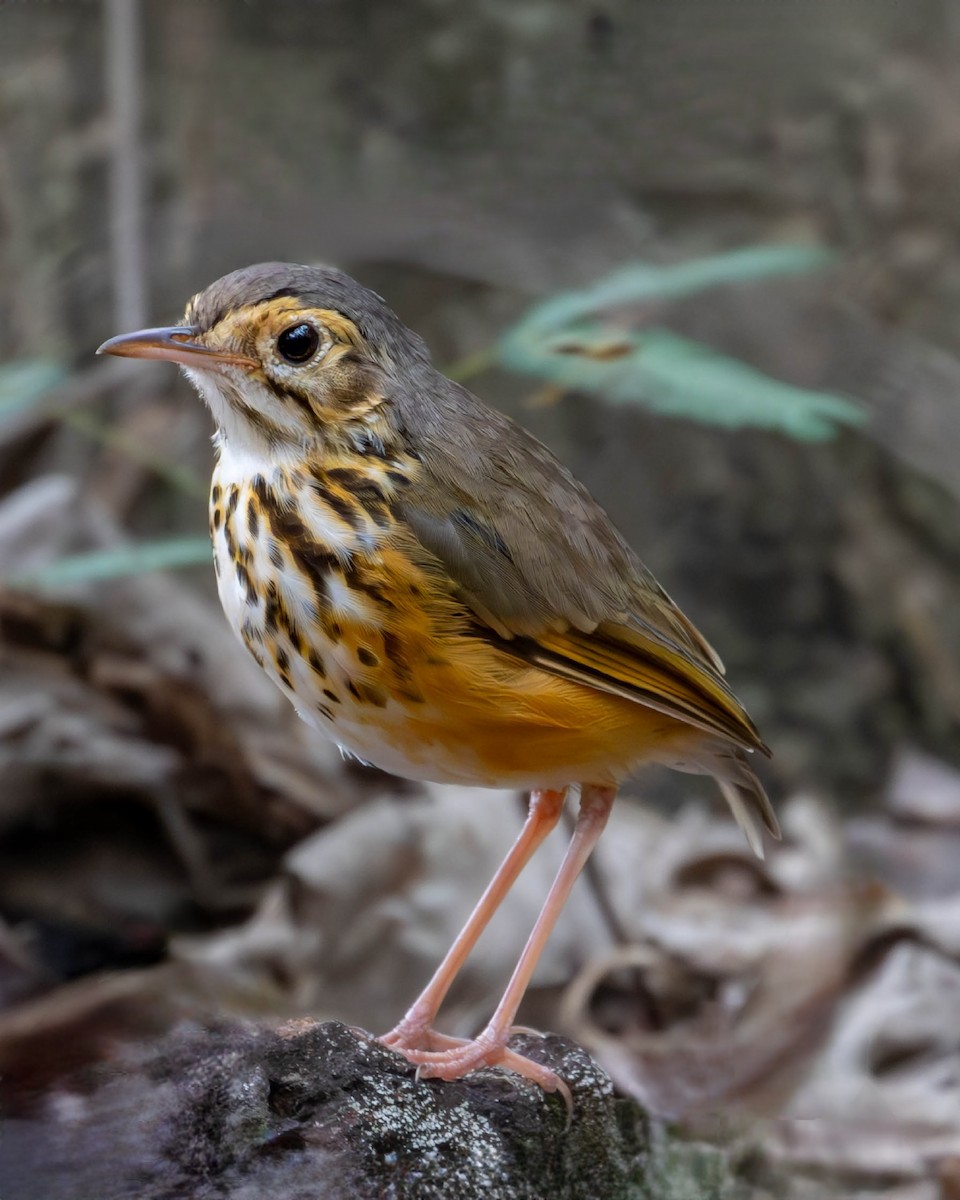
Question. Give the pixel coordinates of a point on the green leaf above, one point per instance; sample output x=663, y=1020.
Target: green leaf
x=135, y=559
x=683, y=378
x=645, y=281
x=567, y=342
x=24, y=381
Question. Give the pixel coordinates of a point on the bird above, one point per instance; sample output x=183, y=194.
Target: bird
x=433, y=590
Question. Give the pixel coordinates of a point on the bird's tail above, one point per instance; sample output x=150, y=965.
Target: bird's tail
x=744, y=792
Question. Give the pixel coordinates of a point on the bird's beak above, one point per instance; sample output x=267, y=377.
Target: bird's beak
x=173, y=344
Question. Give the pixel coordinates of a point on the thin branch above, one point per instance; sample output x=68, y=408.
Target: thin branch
x=124, y=104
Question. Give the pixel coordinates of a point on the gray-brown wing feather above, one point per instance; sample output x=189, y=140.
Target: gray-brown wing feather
x=532, y=554
x=528, y=545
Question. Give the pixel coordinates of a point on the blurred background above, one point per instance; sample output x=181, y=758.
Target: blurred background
x=710, y=254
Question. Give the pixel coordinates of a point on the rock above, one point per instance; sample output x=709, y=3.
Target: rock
x=320, y=1112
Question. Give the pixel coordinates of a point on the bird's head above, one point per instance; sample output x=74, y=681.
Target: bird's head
x=287, y=355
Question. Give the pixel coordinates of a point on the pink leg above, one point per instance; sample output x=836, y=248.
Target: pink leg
x=489, y=1048
x=414, y=1030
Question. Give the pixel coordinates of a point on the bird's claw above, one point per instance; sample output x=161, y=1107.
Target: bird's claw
x=408, y=1038
x=438, y=1056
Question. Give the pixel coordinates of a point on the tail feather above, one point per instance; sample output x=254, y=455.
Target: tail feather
x=744, y=792
x=752, y=811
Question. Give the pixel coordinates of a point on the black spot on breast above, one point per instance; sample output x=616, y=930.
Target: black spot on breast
x=217, y=518
x=367, y=657
x=345, y=509
x=374, y=695
x=233, y=500
x=364, y=489
x=331, y=696
x=371, y=493
x=243, y=578
x=367, y=693
x=273, y=612
x=324, y=712
x=313, y=559
x=347, y=477
x=250, y=633
x=367, y=582
x=216, y=493
x=396, y=655
x=283, y=661
x=253, y=517
x=316, y=664
x=231, y=541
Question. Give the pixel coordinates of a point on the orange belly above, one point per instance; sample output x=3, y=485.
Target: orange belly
x=466, y=712
x=391, y=667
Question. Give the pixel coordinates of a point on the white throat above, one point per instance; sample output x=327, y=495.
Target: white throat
x=220, y=390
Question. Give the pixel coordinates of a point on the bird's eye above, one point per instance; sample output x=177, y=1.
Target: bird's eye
x=298, y=344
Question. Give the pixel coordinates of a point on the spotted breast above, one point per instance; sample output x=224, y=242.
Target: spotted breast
x=302, y=571
x=367, y=635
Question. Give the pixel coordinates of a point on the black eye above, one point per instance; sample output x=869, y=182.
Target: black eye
x=298, y=344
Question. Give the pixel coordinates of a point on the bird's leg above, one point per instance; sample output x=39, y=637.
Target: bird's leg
x=489, y=1048
x=414, y=1031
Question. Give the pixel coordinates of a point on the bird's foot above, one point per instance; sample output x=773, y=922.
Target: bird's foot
x=437, y=1056
x=410, y=1036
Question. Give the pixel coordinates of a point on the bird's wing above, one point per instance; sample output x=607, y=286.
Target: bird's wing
x=548, y=576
